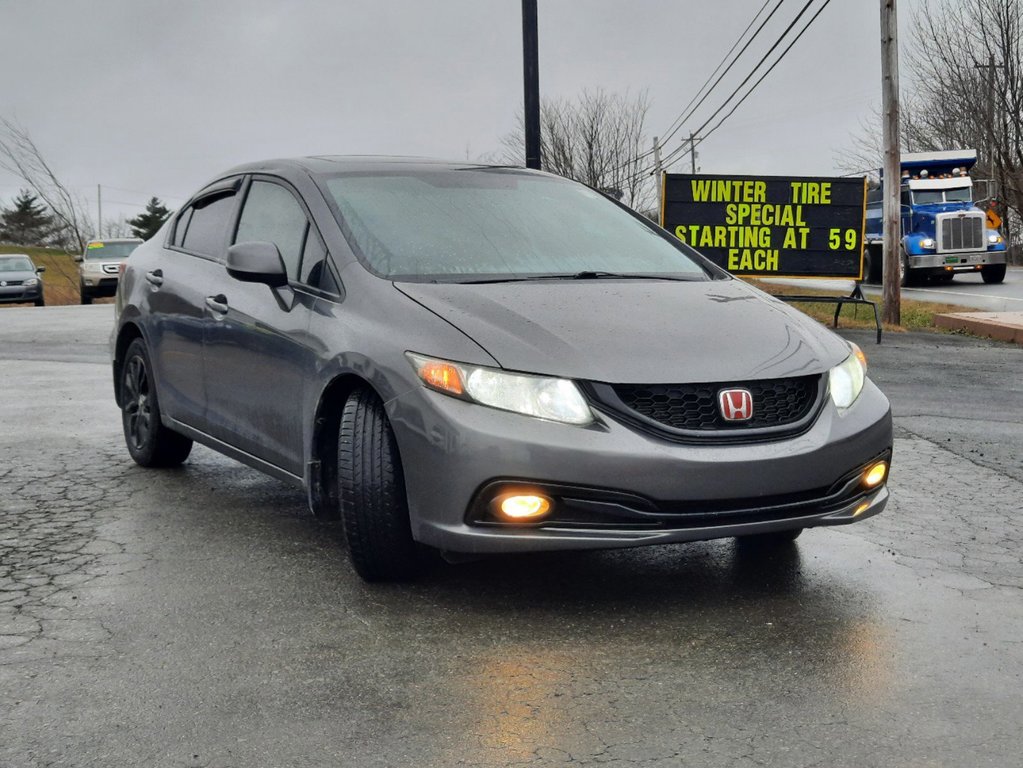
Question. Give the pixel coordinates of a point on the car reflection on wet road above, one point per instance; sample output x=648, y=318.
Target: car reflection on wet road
x=199, y=617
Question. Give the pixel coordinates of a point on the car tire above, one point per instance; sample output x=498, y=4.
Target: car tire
x=993, y=273
x=374, y=506
x=770, y=540
x=84, y=295
x=40, y=302
x=149, y=442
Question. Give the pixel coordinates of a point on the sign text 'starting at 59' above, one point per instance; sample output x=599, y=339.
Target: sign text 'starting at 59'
x=770, y=226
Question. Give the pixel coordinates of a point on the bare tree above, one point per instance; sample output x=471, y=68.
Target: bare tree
x=966, y=66
x=597, y=139
x=20, y=155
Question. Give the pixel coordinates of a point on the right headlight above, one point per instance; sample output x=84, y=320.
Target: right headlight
x=543, y=397
x=845, y=380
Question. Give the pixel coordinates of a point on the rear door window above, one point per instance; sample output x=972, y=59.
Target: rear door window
x=206, y=233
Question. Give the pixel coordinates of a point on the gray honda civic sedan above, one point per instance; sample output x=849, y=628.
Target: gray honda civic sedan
x=479, y=359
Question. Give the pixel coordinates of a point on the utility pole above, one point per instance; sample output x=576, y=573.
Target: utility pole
x=995, y=181
x=659, y=180
x=692, y=152
x=531, y=79
x=99, y=211
x=892, y=296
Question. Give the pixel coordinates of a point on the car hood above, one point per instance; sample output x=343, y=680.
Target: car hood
x=20, y=274
x=634, y=331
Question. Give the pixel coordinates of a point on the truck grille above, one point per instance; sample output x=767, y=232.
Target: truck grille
x=958, y=232
x=689, y=412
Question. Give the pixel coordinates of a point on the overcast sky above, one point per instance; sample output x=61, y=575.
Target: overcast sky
x=149, y=97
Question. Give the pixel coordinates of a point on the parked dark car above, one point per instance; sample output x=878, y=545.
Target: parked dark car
x=21, y=280
x=485, y=359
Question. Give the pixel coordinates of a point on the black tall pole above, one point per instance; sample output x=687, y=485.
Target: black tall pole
x=531, y=77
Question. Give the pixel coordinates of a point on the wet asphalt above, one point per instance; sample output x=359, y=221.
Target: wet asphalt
x=200, y=617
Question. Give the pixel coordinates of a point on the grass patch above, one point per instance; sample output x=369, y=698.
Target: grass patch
x=915, y=315
x=60, y=280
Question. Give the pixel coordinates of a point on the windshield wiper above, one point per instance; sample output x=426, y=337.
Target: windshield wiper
x=584, y=275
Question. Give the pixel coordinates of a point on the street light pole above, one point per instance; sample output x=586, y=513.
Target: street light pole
x=531, y=78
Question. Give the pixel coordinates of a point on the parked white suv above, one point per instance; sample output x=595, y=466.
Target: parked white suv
x=100, y=264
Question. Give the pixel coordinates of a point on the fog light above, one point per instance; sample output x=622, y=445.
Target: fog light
x=525, y=507
x=861, y=509
x=875, y=475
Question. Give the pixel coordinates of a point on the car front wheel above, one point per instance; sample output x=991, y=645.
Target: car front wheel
x=84, y=295
x=149, y=442
x=374, y=507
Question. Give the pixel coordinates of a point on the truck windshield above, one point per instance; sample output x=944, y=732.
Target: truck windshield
x=932, y=196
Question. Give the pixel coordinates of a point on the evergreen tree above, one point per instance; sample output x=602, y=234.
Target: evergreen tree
x=27, y=223
x=146, y=224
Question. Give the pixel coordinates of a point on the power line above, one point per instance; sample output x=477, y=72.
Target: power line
x=776, y=62
x=684, y=115
x=682, y=150
x=686, y=112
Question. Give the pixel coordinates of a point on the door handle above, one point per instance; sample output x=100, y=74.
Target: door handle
x=217, y=303
x=155, y=277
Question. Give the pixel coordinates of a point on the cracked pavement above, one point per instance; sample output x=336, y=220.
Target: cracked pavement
x=200, y=617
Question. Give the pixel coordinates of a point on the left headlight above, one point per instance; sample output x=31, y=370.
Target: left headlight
x=32, y=282
x=542, y=397
x=846, y=379
x=927, y=243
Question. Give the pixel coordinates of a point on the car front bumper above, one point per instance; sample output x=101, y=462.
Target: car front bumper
x=616, y=487
x=17, y=294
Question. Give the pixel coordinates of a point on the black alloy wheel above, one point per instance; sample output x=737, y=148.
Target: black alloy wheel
x=149, y=442
x=374, y=506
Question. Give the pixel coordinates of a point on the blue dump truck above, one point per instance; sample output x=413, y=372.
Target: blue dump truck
x=943, y=230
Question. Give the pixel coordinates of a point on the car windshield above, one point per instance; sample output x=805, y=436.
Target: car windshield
x=16, y=264
x=463, y=225
x=109, y=251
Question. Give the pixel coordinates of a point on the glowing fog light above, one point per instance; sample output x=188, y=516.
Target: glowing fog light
x=525, y=507
x=875, y=474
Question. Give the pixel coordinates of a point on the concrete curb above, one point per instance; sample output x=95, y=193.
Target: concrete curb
x=1001, y=326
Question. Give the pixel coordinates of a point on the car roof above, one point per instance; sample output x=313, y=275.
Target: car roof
x=15, y=256
x=117, y=240
x=325, y=164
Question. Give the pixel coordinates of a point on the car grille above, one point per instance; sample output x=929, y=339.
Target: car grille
x=960, y=233
x=12, y=282
x=690, y=411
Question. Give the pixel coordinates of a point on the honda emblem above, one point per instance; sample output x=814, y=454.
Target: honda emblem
x=735, y=404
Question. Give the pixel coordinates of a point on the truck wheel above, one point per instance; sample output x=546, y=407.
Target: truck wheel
x=149, y=442
x=374, y=507
x=84, y=295
x=993, y=273
x=872, y=259
x=906, y=276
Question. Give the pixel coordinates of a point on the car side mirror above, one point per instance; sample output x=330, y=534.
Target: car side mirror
x=78, y=258
x=40, y=270
x=257, y=263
